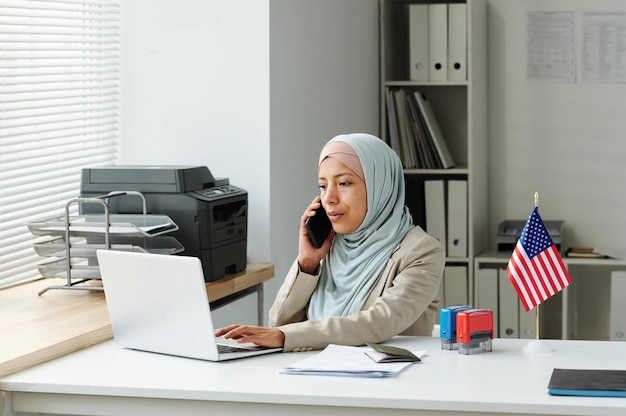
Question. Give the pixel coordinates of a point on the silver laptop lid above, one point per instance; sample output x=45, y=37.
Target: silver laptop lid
x=158, y=303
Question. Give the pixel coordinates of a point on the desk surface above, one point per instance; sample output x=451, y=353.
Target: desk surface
x=36, y=329
x=505, y=381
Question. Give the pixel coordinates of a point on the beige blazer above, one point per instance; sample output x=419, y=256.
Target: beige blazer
x=404, y=301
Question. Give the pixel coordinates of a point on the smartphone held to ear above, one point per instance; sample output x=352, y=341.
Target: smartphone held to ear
x=318, y=226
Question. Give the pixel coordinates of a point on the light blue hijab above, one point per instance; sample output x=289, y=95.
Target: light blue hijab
x=356, y=260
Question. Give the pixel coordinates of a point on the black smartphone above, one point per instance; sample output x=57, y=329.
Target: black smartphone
x=318, y=226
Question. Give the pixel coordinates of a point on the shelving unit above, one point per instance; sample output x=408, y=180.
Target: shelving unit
x=461, y=111
x=572, y=313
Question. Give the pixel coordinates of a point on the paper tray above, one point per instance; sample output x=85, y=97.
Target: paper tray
x=120, y=225
x=80, y=268
x=159, y=245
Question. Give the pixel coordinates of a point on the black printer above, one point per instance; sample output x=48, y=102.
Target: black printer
x=211, y=214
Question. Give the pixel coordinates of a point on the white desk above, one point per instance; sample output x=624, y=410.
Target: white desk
x=105, y=379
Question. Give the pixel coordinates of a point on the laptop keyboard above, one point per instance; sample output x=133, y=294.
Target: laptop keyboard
x=222, y=349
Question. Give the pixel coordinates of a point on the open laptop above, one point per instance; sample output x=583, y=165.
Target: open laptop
x=159, y=303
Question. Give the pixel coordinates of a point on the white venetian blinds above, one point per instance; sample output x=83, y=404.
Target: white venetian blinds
x=59, y=99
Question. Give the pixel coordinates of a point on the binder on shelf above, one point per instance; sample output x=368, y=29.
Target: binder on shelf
x=434, y=130
x=438, y=42
x=455, y=285
x=527, y=327
x=418, y=42
x=508, y=306
x=434, y=199
x=457, y=41
x=457, y=218
x=617, y=320
x=406, y=142
x=486, y=292
x=425, y=159
x=392, y=121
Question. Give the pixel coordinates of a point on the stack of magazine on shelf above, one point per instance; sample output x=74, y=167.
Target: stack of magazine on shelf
x=414, y=132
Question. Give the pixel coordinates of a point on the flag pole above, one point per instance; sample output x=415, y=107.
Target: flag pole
x=537, y=345
x=537, y=307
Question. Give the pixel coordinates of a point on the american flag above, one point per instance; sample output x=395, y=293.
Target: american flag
x=535, y=268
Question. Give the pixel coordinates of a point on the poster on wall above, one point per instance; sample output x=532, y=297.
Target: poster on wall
x=604, y=47
x=551, y=46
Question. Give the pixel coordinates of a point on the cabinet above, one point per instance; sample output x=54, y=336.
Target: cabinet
x=460, y=107
x=580, y=311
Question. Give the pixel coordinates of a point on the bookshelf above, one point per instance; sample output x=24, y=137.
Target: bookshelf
x=460, y=108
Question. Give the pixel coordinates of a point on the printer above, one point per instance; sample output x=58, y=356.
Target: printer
x=211, y=214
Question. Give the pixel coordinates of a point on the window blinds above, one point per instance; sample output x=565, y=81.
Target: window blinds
x=59, y=102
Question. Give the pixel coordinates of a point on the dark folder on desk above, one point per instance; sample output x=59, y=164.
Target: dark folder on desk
x=575, y=382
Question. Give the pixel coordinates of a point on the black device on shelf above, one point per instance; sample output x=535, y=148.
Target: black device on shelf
x=212, y=215
x=509, y=231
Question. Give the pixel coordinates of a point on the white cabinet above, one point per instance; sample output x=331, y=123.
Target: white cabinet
x=581, y=311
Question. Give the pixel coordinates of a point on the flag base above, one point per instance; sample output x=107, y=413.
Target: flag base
x=537, y=346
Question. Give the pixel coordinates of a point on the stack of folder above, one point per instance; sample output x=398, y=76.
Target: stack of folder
x=437, y=53
x=438, y=42
x=440, y=207
x=493, y=290
x=414, y=132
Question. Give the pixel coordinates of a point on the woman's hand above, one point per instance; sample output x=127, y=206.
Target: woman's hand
x=259, y=335
x=309, y=256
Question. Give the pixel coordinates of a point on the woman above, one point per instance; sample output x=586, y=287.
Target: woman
x=375, y=276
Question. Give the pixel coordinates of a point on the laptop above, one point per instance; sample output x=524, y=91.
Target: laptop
x=158, y=303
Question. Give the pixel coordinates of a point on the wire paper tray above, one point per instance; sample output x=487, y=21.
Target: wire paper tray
x=78, y=237
x=80, y=268
x=119, y=225
x=57, y=247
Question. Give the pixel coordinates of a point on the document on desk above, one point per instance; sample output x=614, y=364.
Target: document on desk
x=346, y=361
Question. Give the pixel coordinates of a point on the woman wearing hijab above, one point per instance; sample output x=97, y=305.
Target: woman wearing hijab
x=375, y=276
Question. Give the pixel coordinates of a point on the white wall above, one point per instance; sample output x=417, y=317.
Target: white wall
x=563, y=140
x=252, y=89
x=324, y=81
x=196, y=92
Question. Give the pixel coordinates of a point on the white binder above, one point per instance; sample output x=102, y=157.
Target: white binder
x=457, y=42
x=486, y=293
x=508, y=306
x=438, y=42
x=617, y=321
x=418, y=41
x=457, y=218
x=527, y=325
x=455, y=285
x=434, y=201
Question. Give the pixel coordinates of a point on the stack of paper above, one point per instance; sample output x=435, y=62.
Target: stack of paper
x=346, y=361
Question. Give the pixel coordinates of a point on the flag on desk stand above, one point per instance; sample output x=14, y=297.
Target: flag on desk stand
x=536, y=269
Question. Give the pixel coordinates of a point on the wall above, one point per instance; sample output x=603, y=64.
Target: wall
x=195, y=92
x=252, y=89
x=563, y=140
x=324, y=81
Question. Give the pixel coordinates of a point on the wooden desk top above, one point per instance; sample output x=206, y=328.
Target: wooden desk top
x=36, y=329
